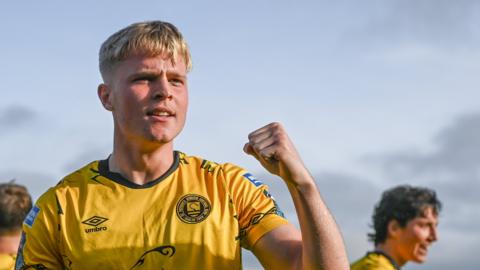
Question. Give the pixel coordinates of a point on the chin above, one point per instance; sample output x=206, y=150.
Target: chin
x=163, y=136
x=419, y=258
x=162, y=139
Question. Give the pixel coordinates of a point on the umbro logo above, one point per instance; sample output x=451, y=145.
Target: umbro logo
x=95, y=221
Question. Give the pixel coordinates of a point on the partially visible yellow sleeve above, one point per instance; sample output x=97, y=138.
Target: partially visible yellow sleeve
x=39, y=244
x=257, y=211
x=7, y=262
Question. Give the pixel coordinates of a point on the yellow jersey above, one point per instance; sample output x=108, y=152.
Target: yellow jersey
x=375, y=260
x=7, y=261
x=197, y=215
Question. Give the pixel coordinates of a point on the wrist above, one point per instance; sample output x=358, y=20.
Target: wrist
x=302, y=183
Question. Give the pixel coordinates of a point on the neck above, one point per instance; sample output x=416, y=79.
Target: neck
x=140, y=163
x=392, y=252
x=9, y=242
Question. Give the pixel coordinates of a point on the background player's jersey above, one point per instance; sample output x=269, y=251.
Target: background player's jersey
x=196, y=216
x=7, y=262
x=374, y=261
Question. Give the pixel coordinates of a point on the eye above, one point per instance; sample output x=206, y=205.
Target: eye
x=143, y=79
x=176, y=82
x=424, y=224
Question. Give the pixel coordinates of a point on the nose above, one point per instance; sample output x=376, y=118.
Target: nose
x=433, y=234
x=161, y=89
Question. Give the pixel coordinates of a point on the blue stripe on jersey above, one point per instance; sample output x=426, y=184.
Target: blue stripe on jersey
x=32, y=215
x=253, y=180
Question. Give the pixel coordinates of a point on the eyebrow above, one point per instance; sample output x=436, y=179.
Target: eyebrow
x=154, y=73
x=146, y=73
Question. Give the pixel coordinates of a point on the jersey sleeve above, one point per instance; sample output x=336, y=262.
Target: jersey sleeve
x=7, y=262
x=257, y=211
x=39, y=244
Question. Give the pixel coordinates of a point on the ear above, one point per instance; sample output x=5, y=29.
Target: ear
x=393, y=229
x=104, y=94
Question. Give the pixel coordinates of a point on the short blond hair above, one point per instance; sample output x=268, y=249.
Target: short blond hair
x=150, y=38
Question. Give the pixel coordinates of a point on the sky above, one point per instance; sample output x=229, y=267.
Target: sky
x=373, y=93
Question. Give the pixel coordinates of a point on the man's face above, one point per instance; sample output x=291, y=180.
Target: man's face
x=416, y=237
x=148, y=98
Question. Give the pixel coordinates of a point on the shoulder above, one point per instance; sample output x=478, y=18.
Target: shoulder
x=71, y=181
x=88, y=171
x=207, y=165
x=231, y=173
x=197, y=162
x=372, y=261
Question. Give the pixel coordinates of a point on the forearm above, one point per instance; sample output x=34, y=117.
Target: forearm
x=321, y=246
x=322, y=243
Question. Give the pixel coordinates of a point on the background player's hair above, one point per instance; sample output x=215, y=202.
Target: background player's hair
x=150, y=38
x=15, y=203
x=401, y=203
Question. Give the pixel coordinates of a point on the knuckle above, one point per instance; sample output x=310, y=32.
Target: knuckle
x=275, y=124
x=277, y=128
x=280, y=137
x=256, y=147
x=276, y=136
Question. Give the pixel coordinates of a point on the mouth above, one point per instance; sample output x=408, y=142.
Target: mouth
x=423, y=249
x=160, y=113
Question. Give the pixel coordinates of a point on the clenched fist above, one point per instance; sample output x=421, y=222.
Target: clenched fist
x=272, y=147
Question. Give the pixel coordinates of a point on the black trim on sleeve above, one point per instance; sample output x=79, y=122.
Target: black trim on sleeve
x=59, y=207
x=104, y=171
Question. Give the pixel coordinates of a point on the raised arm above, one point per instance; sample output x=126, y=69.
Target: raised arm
x=319, y=245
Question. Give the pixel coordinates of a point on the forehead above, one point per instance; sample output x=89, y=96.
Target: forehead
x=158, y=63
x=428, y=213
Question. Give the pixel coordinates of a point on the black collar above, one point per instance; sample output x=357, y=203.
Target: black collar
x=104, y=170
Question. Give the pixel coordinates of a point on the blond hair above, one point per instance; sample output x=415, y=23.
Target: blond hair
x=150, y=38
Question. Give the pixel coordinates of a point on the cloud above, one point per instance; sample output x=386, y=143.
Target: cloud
x=426, y=20
x=453, y=165
x=416, y=27
x=36, y=182
x=89, y=154
x=457, y=152
x=15, y=116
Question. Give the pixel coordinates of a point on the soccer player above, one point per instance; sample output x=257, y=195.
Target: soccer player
x=15, y=202
x=149, y=207
x=405, y=225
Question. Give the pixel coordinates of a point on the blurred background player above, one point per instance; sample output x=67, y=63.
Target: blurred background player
x=15, y=202
x=405, y=225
